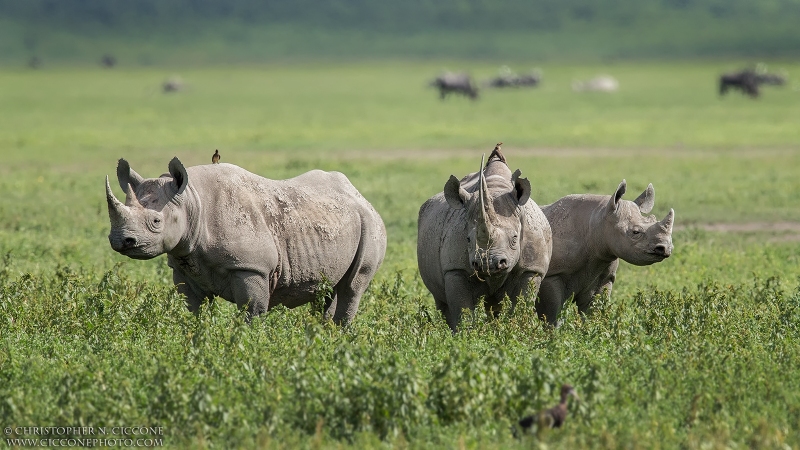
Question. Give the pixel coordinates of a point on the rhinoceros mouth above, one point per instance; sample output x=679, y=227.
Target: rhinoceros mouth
x=657, y=257
x=133, y=251
x=483, y=275
x=136, y=253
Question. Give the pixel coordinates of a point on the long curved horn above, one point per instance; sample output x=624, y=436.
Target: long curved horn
x=481, y=190
x=486, y=200
x=116, y=210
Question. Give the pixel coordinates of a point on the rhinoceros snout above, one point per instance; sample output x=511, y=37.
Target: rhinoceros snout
x=490, y=266
x=121, y=243
x=663, y=250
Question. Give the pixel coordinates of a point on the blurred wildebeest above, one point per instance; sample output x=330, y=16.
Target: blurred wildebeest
x=507, y=78
x=745, y=81
x=748, y=80
x=34, y=62
x=173, y=84
x=108, y=61
x=601, y=83
x=459, y=83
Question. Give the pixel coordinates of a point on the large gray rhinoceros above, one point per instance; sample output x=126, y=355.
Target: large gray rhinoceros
x=482, y=237
x=250, y=240
x=590, y=235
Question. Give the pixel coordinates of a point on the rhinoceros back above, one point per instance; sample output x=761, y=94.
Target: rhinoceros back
x=308, y=226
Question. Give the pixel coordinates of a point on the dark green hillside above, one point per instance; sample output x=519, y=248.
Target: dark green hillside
x=202, y=31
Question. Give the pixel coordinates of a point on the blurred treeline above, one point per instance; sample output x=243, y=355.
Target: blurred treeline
x=561, y=29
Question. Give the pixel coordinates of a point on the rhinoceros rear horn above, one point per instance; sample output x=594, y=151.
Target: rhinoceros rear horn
x=130, y=197
x=669, y=220
x=127, y=176
x=178, y=173
x=647, y=199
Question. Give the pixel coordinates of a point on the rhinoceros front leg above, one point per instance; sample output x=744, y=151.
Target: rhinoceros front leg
x=194, y=298
x=585, y=306
x=251, y=291
x=552, y=295
x=459, y=296
x=526, y=285
x=585, y=300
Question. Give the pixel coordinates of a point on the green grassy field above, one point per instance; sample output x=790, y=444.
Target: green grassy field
x=697, y=351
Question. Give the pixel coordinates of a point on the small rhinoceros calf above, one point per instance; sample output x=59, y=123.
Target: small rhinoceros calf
x=250, y=240
x=482, y=237
x=590, y=235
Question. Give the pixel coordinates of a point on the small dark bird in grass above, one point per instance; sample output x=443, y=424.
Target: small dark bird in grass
x=215, y=157
x=549, y=418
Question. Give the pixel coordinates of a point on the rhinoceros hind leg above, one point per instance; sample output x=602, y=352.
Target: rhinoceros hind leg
x=330, y=307
x=368, y=258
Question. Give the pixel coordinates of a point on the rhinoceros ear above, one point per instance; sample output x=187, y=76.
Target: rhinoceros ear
x=647, y=199
x=127, y=176
x=613, y=202
x=178, y=173
x=455, y=195
x=522, y=188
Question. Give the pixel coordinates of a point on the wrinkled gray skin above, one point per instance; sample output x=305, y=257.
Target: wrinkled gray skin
x=250, y=240
x=591, y=233
x=466, y=251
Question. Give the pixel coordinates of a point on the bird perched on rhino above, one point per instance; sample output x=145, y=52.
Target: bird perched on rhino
x=255, y=242
x=549, y=418
x=497, y=154
x=215, y=157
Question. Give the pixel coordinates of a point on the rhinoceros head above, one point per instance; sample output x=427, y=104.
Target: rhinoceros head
x=493, y=218
x=152, y=220
x=633, y=236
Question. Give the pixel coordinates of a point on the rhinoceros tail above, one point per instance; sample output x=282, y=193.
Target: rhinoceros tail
x=497, y=154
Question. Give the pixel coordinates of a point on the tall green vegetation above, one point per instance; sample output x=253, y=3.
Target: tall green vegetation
x=709, y=364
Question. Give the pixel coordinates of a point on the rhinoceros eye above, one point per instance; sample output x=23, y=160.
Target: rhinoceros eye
x=154, y=224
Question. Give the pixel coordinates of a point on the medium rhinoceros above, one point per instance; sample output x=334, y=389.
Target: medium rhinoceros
x=482, y=237
x=590, y=235
x=250, y=240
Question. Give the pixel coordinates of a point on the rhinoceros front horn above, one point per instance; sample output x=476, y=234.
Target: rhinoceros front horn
x=116, y=210
x=483, y=192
